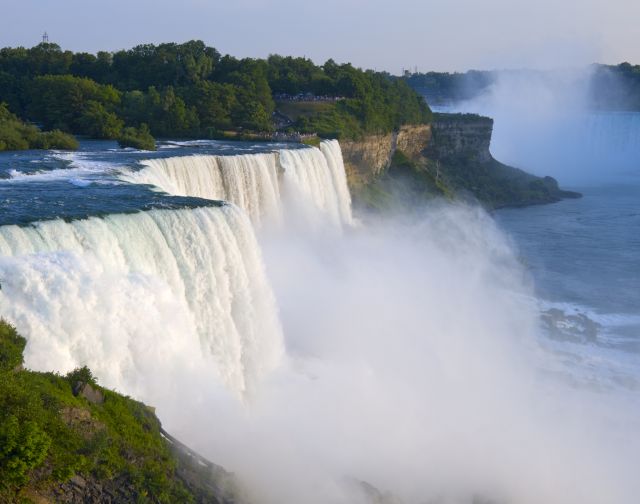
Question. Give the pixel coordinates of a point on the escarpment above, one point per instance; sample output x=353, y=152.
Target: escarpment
x=367, y=159
x=449, y=157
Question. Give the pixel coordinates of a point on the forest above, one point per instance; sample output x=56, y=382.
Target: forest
x=191, y=90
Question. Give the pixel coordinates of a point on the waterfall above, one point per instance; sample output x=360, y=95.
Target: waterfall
x=130, y=293
x=575, y=148
x=317, y=177
x=249, y=181
x=257, y=182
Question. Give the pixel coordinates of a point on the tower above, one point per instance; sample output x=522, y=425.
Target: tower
x=45, y=38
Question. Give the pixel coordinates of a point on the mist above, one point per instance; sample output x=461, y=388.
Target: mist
x=413, y=362
x=403, y=351
x=548, y=123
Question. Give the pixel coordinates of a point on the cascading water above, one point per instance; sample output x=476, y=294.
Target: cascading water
x=130, y=292
x=314, y=180
x=249, y=181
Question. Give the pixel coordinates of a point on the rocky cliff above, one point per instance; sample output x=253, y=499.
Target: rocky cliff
x=461, y=135
x=367, y=159
x=449, y=157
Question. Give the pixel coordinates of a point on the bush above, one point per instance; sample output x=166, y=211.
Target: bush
x=17, y=135
x=11, y=347
x=23, y=446
x=81, y=375
x=138, y=138
x=56, y=139
x=47, y=434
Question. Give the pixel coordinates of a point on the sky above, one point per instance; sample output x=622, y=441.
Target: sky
x=392, y=35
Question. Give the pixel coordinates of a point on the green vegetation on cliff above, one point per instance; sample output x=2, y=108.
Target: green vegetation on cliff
x=64, y=436
x=17, y=135
x=189, y=90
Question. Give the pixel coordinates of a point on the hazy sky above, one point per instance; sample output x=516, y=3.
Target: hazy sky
x=389, y=35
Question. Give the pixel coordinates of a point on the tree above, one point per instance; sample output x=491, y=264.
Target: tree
x=96, y=122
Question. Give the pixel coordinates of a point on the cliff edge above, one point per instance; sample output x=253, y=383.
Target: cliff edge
x=449, y=157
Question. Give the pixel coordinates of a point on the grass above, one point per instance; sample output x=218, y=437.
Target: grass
x=296, y=109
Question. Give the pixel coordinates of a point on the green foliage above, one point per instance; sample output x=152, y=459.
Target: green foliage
x=17, y=135
x=81, y=375
x=11, y=347
x=187, y=90
x=96, y=122
x=138, y=138
x=47, y=434
x=442, y=87
x=314, y=141
x=371, y=102
x=69, y=103
x=55, y=139
x=23, y=446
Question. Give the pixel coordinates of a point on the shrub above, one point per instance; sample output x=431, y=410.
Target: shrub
x=138, y=138
x=11, y=347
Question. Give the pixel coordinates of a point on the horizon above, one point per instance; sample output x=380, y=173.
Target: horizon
x=498, y=35
x=410, y=70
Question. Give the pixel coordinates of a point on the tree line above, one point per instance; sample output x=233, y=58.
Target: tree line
x=608, y=87
x=191, y=90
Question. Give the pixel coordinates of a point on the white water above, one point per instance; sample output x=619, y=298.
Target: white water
x=128, y=294
x=317, y=178
x=307, y=181
x=250, y=180
x=411, y=359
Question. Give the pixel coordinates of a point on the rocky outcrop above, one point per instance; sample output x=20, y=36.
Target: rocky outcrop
x=449, y=157
x=461, y=135
x=366, y=159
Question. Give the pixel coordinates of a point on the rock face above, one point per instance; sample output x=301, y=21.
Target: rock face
x=412, y=140
x=367, y=159
x=448, y=157
x=461, y=135
x=93, y=395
